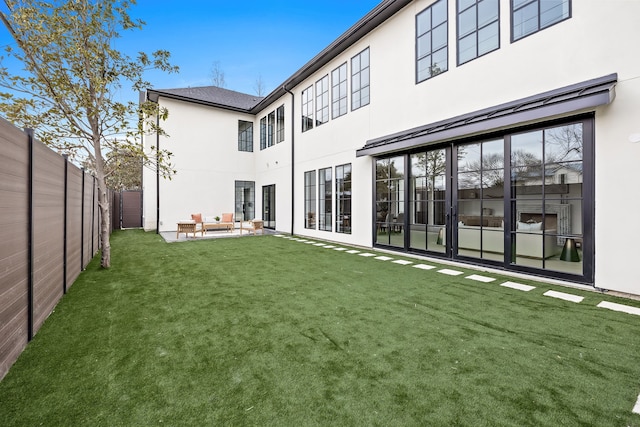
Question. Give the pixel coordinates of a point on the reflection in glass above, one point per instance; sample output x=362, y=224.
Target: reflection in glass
x=427, y=200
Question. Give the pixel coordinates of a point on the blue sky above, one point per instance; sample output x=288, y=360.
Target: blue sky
x=248, y=39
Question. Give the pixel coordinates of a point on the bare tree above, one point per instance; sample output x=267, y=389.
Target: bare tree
x=259, y=86
x=217, y=75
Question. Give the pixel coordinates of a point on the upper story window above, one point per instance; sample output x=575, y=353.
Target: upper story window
x=245, y=135
x=322, y=101
x=432, y=56
x=478, y=28
x=360, y=95
x=271, y=122
x=263, y=133
x=530, y=16
x=280, y=124
x=339, y=91
x=307, y=109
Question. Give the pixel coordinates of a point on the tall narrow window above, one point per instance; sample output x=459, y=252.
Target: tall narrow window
x=530, y=16
x=325, y=194
x=343, y=198
x=339, y=91
x=245, y=136
x=263, y=133
x=360, y=93
x=322, y=101
x=432, y=56
x=271, y=121
x=310, y=199
x=390, y=201
x=280, y=124
x=478, y=28
x=307, y=109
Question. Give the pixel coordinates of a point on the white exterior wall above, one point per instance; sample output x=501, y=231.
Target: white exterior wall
x=596, y=41
x=204, y=143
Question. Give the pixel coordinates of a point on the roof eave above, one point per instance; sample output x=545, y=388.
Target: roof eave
x=154, y=95
x=364, y=26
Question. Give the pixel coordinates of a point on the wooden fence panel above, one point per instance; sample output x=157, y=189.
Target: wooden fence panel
x=48, y=235
x=14, y=250
x=74, y=223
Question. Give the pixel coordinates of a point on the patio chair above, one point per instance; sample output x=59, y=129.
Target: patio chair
x=253, y=225
x=199, y=224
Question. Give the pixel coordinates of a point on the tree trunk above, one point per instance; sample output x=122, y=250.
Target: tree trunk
x=104, y=204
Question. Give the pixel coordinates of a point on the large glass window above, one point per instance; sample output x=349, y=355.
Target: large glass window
x=432, y=56
x=307, y=109
x=310, y=199
x=343, y=198
x=339, y=91
x=322, y=101
x=263, y=133
x=325, y=196
x=245, y=135
x=478, y=28
x=271, y=121
x=360, y=90
x=280, y=124
x=530, y=16
x=390, y=201
x=547, y=198
x=245, y=200
x=480, y=197
x=427, y=201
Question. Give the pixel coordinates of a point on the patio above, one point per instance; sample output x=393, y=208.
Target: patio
x=170, y=236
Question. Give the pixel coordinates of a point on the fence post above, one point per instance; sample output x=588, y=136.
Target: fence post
x=30, y=284
x=64, y=243
x=82, y=224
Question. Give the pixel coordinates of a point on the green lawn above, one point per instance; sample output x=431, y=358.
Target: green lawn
x=268, y=331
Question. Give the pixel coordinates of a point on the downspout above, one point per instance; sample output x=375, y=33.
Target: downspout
x=157, y=173
x=293, y=128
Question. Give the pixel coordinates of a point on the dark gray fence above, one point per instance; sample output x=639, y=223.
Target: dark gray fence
x=49, y=232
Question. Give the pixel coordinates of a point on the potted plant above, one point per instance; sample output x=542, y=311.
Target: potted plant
x=217, y=219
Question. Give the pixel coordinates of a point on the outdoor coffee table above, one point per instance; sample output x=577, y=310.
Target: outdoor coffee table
x=218, y=226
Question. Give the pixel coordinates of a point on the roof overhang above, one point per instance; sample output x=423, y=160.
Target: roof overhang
x=154, y=95
x=581, y=96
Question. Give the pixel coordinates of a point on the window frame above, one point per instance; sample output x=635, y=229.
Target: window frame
x=358, y=72
x=322, y=101
x=325, y=199
x=245, y=136
x=526, y=3
x=306, y=107
x=310, y=200
x=343, y=216
x=477, y=30
x=280, y=125
x=338, y=92
x=263, y=133
x=430, y=31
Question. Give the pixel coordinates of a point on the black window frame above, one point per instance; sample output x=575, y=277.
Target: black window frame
x=306, y=100
x=280, y=125
x=344, y=188
x=478, y=29
x=420, y=35
x=526, y=3
x=310, y=200
x=358, y=72
x=322, y=100
x=263, y=133
x=325, y=199
x=245, y=136
x=338, y=92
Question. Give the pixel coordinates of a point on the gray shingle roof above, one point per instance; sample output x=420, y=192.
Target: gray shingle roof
x=213, y=95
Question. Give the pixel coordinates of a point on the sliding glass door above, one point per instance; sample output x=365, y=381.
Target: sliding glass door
x=519, y=200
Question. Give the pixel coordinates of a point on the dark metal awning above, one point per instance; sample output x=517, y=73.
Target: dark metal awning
x=580, y=96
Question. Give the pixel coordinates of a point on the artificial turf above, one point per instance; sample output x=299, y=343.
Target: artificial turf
x=273, y=332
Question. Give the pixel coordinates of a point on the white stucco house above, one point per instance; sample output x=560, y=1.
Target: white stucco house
x=501, y=133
